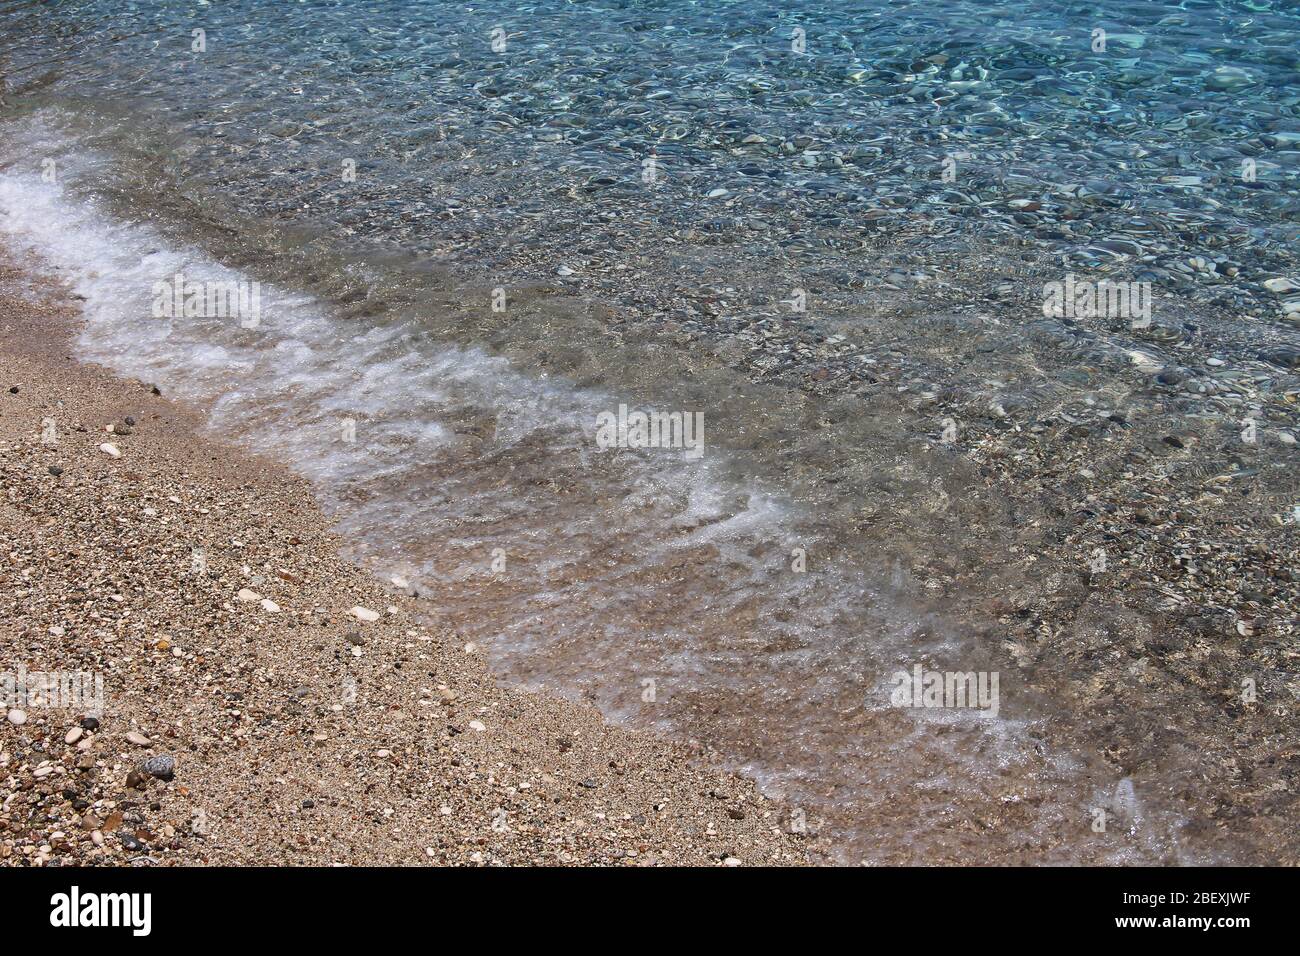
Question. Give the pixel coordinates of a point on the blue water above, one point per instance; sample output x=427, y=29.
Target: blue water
x=1179, y=139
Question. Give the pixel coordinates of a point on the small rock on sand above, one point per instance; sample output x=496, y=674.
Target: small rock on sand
x=111, y=450
x=163, y=767
x=364, y=614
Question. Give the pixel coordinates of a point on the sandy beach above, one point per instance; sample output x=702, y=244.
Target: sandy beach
x=208, y=591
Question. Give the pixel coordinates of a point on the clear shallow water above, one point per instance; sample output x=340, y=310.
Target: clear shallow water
x=524, y=170
x=522, y=160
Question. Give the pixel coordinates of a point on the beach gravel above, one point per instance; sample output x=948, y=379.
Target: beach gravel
x=242, y=729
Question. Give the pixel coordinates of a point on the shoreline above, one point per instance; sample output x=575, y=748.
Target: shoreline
x=207, y=588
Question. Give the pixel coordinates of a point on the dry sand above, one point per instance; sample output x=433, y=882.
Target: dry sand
x=207, y=589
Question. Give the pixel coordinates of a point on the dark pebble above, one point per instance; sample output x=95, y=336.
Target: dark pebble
x=162, y=767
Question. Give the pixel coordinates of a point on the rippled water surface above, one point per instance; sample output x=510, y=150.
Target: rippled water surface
x=652, y=187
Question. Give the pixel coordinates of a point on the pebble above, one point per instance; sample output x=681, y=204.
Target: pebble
x=73, y=736
x=137, y=738
x=246, y=595
x=270, y=606
x=55, y=470
x=477, y=725
x=110, y=450
x=17, y=717
x=364, y=614
x=163, y=767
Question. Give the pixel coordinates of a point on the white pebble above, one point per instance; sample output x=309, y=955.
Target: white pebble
x=110, y=450
x=364, y=613
x=137, y=738
x=17, y=717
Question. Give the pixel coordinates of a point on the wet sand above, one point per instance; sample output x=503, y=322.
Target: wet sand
x=208, y=590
